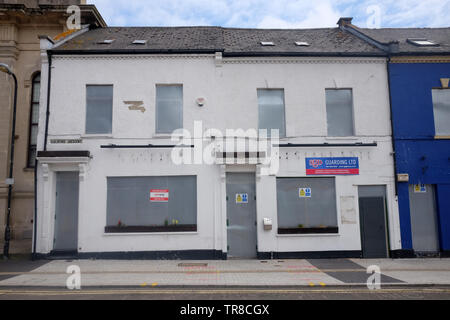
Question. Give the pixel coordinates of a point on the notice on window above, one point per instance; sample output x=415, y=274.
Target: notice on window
x=241, y=198
x=159, y=195
x=304, y=192
x=420, y=188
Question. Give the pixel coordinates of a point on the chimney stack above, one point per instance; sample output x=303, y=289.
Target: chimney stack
x=344, y=21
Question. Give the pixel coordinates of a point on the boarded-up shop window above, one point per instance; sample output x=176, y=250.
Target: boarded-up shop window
x=99, y=105
x=340, y=112
x=271, y=110
x=169, y=108
x=441, y=108
x=306, y=205
x=152, y=204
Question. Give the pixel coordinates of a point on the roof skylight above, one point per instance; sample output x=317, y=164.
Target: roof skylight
x=107, y=41
x=267, y=43
x=422, y=42
x=302, y=43
x=140, y=42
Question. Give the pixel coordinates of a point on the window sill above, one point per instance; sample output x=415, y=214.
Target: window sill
x=316, y=235
x=155, y=229
x=327, y=230
x=442, y=137
x=97, y=136
x=28, y=169
x=342, y=138
x=167, y=136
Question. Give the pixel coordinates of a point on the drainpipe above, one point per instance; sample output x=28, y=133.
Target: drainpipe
x=35, y=210
x=392, y=123
x=47, y=114
x=11, y=166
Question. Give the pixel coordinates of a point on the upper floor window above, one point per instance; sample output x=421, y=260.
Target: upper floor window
x=271, y=110
x=169, y=108
x=99, y=103
x=34, y=119
x=441, y=108
x=340, y=112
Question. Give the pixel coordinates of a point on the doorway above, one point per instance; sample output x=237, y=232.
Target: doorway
x=241, y=216
x=66, y=212
x=373, y=221
x=424, y=223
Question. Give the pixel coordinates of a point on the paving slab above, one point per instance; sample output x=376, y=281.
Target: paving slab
x=250, y=273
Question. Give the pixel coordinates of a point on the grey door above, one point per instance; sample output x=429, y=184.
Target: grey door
x=241, y=215
x=372, y=212
x=66, y=211
x=424, y=226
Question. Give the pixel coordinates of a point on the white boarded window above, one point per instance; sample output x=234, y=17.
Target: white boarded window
x=340, y=112
x=99, y=105
x=441, y=109
x=271, y=110
x=306, y=205
x=169, y=108
x=152, y=204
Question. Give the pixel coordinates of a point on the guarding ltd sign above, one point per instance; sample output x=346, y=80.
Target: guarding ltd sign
x=159, y=195
x=332, y=166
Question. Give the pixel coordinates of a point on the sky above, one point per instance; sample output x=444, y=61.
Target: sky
x=275, y=13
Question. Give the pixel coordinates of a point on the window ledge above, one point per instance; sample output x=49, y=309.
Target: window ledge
x=326, y=230
x=315, y=235
x=442, y=137
x=140, y=234
x=97, y=136
x=166, y=136
x=151, y=229
x=342, y=138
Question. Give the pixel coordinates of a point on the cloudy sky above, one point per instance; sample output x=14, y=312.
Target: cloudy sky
x=275, y=13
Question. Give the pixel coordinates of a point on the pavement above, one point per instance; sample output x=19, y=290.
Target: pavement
x=273, y=274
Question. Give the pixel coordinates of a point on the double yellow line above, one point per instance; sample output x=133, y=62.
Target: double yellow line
x=89, y=292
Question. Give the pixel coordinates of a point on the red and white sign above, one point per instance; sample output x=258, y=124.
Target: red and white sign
x=159, y=195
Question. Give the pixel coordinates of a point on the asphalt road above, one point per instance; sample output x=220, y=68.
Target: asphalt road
x=255, y=294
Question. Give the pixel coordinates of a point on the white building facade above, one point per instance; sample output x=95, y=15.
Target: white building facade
x=109, y=185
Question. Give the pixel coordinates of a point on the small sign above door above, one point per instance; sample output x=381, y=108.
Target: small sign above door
x=420, y=188
x=241, y=198
x=304, y=192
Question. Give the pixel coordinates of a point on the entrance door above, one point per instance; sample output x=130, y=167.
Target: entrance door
x=372, y=212
x=241, y=215
x=424, y=226
x=66, y=211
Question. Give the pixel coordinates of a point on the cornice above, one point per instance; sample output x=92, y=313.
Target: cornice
x=56, y=56
x=350, y=60
x=421, y=59
x=324, y=60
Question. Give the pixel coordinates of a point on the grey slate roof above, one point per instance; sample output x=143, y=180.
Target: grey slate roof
x=242, y=42
x=387, y=35
x=230, y=41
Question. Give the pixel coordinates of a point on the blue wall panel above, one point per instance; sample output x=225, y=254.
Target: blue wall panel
x=412, y=104
x=405, y=218
x=443, y=198
x=418, y=153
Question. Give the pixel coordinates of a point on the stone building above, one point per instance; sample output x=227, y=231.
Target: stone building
x=21, y=22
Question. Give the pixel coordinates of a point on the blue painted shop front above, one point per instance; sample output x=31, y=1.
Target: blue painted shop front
x=419, y=153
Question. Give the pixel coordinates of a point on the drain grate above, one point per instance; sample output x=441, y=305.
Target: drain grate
x=192, y=265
